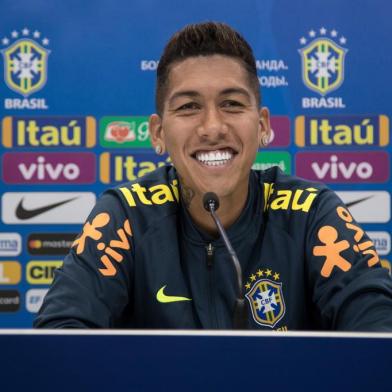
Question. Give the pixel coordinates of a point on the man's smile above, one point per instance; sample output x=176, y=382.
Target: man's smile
x=217, y=157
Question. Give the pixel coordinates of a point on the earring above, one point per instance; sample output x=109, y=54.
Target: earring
x=158, y=149
x=264, y=141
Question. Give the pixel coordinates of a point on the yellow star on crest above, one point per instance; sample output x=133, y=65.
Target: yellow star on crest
x=247, y=286
x=268, y=272
x=253, y=278
x=260, y=273
x=276, y=276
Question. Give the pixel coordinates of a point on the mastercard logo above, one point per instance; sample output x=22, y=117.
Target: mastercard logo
x=35, y=244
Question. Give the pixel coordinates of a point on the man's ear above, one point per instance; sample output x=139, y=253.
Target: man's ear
x=265, y=127
x=156, y=133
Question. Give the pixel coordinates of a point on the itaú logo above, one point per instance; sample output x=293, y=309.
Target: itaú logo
x=343, y=167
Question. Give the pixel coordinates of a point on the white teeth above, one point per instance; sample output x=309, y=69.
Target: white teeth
x=214, y=158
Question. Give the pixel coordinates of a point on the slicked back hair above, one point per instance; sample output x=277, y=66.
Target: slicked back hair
x=204, y=39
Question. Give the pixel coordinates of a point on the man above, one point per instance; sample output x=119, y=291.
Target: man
x=150, y=256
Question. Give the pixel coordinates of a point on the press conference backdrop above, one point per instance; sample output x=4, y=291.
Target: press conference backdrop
x=78, y=86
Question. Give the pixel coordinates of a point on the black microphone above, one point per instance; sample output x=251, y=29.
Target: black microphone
x=211, y=204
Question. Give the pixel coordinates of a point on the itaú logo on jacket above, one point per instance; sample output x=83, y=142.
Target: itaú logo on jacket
x=155, y=194
x=345, y=167
x=286, y=199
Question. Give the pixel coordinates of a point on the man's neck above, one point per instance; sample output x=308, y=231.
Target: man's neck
x=229, y=211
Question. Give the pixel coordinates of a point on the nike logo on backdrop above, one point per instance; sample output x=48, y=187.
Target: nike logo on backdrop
x=163, y=298
x=354, y=202
x=23, y=214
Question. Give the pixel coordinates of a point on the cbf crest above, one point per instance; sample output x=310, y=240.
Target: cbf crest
x=25, y=62
x=323, y=60
x=266, y=299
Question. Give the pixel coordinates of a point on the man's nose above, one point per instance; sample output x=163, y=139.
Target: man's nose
x=213, y=124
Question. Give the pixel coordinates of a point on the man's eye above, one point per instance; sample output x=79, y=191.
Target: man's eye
x=188, y=106
x=232, y=104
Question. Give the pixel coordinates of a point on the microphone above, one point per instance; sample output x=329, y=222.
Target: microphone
x=211, y=204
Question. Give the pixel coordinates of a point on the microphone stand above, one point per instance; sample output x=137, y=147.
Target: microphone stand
x=211, y=204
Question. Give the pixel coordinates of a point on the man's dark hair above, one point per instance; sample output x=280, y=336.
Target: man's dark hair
x=205, y=39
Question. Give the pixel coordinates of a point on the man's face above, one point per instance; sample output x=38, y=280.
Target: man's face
x=210, y=125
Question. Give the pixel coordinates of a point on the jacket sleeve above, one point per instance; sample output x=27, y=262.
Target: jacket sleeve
x=91, y=289
x=351, y=290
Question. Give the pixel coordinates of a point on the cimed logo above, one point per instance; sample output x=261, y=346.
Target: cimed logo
x=322, y=59
x=25, y=61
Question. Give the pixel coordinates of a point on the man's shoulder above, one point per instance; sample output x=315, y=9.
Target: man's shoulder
x=281, y=180
x=283, y=192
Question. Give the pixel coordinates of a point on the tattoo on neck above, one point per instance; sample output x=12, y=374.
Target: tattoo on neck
x=187, y=194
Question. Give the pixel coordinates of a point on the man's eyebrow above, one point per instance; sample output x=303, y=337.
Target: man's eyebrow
x=184, y=93
x=226, y=91
x=235, y=90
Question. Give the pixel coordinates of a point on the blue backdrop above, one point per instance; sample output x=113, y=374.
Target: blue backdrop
x=78, y=85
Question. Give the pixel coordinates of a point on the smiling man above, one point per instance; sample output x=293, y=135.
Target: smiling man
x=150, y=256
x=211, y=126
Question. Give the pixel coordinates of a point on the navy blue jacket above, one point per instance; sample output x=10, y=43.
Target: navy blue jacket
x=140, y=262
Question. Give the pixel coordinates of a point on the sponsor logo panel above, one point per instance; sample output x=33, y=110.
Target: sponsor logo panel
x=46, y=207
x=264, y=160
x=41, y=272
x=9, y=300
x=10, y=244
x=368, y=206
x=280, y=131
x=50, y=243
x=122, y=167
x=381, y=240
x=49, y=168
x=34, y=299
x=344, y=167
x=10, y=272
x=323, y=56
x=342, y=131
x=48, y=131
x=25, y=54
x=124, y=132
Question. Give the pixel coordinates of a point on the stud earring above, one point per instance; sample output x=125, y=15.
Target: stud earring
x=264, y=141
x=158, y=149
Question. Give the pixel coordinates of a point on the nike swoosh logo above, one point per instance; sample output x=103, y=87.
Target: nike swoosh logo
x=163, y=298
x=353, y=203
x=23, y=214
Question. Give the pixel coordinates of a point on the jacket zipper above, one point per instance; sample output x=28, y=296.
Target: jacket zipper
x=211, y=301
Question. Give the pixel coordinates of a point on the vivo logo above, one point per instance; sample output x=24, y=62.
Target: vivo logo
x=343, y=167
x=334, y=168
x=42, y=170
x=47, y=168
